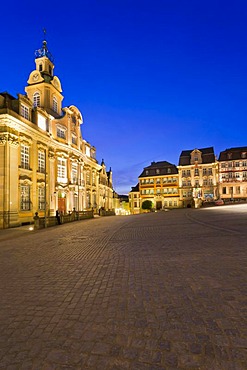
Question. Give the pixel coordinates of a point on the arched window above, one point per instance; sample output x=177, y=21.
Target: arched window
x=36, y=99
x=55, y=105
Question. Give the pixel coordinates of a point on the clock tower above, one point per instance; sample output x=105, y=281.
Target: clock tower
x=44, y=89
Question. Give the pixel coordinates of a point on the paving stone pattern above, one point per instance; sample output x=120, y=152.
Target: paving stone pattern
x=164, y=290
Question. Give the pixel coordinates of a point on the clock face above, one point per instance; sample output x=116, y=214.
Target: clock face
x=35, y=77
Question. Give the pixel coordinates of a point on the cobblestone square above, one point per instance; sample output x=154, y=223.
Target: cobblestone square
x=164, y=290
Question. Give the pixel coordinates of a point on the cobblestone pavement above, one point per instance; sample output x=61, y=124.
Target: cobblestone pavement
x=163, y=290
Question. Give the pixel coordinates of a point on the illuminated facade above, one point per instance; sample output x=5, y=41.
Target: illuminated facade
x=134, y=200
x=159, y=184
x=45, y=164
x=233, y=174
x=198, y=176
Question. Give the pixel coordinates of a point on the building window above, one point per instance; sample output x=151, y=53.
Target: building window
x=243, y=155
x=88, y=178
x=244, y=174
x=224, y=190
x=197, y=183
x=205, y=181
x=61, y=168
x=157, y=181
x=36, y=100
x=223, y=165
x=25, y=198
x=236, y=164
x=168, y=170
x=24, y=111
x=237, y=175
x=230, y=164
x=189, y=183
x=54, y=104
x=244, y=164
x=183, y=173
x=41, y=161
x=204, y=171
x=74, y=141
x=170, y=203
x=94, y=179
x=61, y=133
x=146, y=172
x=196, y=172
x=188, y=172
x=210, y=171
x=40, y=67
x=237, y=189
x=74, y=173
x=25, y=156
x=135, y=204
x=41, y=195
x=210, y=181
x=157, y=171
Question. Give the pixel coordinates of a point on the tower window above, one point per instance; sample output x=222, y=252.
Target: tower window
x=36, y=100
x=55, y=105
x=40, y=67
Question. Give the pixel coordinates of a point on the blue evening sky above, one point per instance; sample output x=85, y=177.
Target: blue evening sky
x=150, y=77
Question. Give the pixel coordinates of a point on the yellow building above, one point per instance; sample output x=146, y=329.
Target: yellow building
x=198, y=176
x=159, y=184
x=45, y=164
x=134, y=200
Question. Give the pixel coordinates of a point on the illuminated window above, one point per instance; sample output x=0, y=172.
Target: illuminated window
x=36, y=100
x=54, y=104
x=41, y=161
x=61, y=133
x=24, y=111
x=25, y=198
x=41, y=200
x=74, y=173
x=61, y=168
x=24, y=156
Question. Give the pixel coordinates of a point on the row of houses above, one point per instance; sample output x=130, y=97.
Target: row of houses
x=45, y=164
x=199, y=178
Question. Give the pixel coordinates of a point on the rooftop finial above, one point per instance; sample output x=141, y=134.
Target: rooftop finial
x=43, y=52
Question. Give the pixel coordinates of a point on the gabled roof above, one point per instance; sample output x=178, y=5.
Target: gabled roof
x=233, y=153
x=135, y=188
x=208, y=156
x=164, y=168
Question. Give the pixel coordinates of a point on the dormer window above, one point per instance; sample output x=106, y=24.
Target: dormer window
x=243, y=155
x=61, y=133
x=229, y=155
x=55, y=104
x=36, y=99
x=146, y=172
x=24, y=111
x=157, y=171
